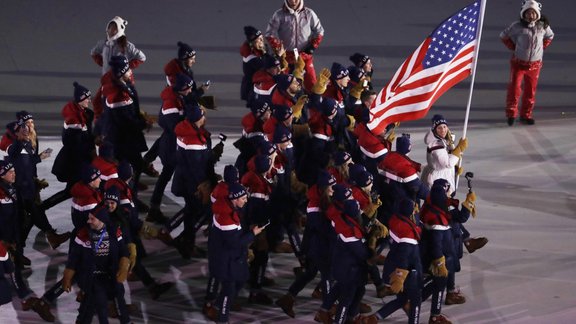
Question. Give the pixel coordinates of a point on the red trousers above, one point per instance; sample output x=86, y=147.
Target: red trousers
x=527, y=72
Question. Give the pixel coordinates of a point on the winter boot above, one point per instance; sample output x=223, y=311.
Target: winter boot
x=455, y=297
x=55, y=240
x=41, y=307
x=317, y=293
x=439, y=319
x=473, y=244
x=323, y=316
x=286, y=302
x=365, y=319
x=364, y=308
x=151, y=171
x=165, y=237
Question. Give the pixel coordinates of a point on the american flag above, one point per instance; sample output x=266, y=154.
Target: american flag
x=442, y=60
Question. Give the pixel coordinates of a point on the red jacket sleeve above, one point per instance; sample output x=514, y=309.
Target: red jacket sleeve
x=510, y=44
x=135, y=63
x=98, y=59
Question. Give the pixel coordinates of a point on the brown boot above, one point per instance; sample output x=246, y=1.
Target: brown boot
x=55, y=240
x=286, y=302
x=473, y=244
x=384, y=291
x=112, y=310
x=406, y=307
x=323, y=316
x=165, y=237
x=211, y=312
x=365, y=319
x=439, y=319
x=317, y=293
x=41, y=308
x=364, y=308
x=455, y=297
x=151, y=171
x=283, y=247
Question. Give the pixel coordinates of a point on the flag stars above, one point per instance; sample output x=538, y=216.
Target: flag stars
x=450, y=37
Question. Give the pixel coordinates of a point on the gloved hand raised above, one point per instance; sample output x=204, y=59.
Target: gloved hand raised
x=320, y=85
x=299, y=68
x=356, y=90
x=299, y=105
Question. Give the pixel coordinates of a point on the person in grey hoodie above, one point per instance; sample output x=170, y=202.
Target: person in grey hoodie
x=296, y=29
x=527, y=38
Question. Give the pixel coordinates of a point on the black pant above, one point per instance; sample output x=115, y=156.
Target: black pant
x=32, y=215
x=58, y=197
x=96, y=301
x=161, y=183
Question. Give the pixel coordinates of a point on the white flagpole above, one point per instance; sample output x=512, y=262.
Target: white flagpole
x=478, y=38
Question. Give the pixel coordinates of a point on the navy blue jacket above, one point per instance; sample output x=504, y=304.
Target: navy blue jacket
x=78, y=143
x=6, y=266
x=228, y=244
x=318, y=232
x=24, y=158
x=193, y=158
x=350, y=252
x=81, y=257
x=9, y=220
x=124, y=122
